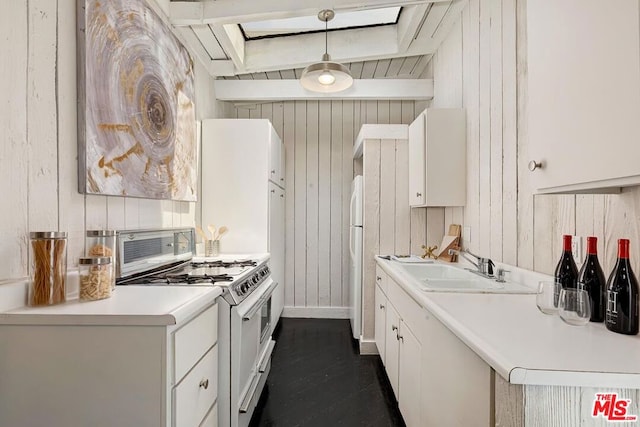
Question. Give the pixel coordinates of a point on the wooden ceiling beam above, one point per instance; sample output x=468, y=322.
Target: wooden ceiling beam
x=236, y=11
x=291, y=89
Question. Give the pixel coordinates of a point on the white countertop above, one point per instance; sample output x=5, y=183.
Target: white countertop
x=525, y=346
x=128, y=305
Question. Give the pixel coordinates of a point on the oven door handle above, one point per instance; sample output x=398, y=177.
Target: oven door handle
x=248, y=397
x=261, y=301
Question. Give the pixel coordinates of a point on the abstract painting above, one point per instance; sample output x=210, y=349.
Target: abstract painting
x=136, y=116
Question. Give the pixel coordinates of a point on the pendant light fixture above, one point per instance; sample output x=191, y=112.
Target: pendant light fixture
x=326, y=76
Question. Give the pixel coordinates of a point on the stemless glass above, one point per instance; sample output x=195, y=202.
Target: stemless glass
x=545, y=297
x=574, y=306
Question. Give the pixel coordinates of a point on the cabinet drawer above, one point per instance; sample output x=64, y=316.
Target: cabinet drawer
x=381, y=279
x=212, y=418
x=193, y=397
x=193, y=340
x=410, y=311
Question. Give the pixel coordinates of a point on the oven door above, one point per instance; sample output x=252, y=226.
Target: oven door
x=252, y=341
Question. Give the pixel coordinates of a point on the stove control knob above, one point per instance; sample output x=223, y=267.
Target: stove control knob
x=244, y=288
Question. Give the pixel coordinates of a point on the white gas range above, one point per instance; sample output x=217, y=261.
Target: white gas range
x=165, y=258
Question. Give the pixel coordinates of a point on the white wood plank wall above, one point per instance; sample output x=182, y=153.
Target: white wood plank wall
x=318, y=138
x=38, y=178
x=482, y=67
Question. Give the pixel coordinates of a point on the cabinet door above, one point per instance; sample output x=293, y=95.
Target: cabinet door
x=584, y=94
x=275, y=160
x=392, y=346
x=380, y=318
x=276, y=249
x=417, y=161
x=456, y=382
x=409, y=377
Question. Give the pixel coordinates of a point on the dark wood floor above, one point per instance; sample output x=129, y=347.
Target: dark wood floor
x=318, y=379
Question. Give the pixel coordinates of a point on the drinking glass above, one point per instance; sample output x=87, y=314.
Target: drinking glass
x=574, y=306
x=545, y=297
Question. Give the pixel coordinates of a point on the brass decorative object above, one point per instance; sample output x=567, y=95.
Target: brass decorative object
x=428, y=251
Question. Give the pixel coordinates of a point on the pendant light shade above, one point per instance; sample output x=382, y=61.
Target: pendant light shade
x=326, y=76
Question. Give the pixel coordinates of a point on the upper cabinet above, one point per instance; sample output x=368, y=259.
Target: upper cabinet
x=437, y=158
x=276, y=159
x=584, y=95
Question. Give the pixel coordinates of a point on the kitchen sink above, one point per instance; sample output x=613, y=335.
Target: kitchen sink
x=446, y=278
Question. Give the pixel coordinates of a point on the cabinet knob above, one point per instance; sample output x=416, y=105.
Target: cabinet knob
x=399, y=338
x=273, y=172
x=381, y=306
x=282, y=195
x=273, y=191
x=204, y=384
x=281, y=179
x=418, y=194
x=378, y=278
x=394, y=328
x=533, y=165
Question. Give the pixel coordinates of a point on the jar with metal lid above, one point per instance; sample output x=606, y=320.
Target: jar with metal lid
x=96, y=275
x=102, y=243
x=48, y=268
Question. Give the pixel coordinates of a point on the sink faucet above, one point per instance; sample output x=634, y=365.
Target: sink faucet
x=484, y=266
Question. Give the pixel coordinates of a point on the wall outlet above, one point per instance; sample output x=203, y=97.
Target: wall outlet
x=466, y=235
x=576, y=249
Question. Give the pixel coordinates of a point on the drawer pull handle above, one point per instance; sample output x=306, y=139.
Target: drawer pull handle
x=204, y=384
x=394, y=328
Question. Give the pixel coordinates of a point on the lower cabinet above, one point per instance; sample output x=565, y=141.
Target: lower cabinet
x=437, y=380
x=401, y=352
x=111, y=375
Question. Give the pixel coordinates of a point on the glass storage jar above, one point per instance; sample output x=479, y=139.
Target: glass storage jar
x=96, y=276
x=102, y=243
x=48, y=268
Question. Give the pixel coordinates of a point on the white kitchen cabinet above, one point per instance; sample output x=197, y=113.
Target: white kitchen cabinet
x=583, y=95
x=240, y=191
x=380, y=337
x=276, y=248
x=143, y=375
x=437, y=158
x=408, y=376
x=392, y=348
x=457, y=385
x=399, y=347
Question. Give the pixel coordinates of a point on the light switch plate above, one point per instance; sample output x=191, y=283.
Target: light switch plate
x=576, y=249
x=466, y=234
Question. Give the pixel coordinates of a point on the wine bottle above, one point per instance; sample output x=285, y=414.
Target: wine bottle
x=591, y=279
x=622, y=295
x=566, y=274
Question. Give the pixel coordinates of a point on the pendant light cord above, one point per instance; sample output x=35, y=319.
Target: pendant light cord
x=326, y=30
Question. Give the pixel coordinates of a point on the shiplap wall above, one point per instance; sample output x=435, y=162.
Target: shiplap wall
x=38, y=169
x=482, y=66
x=318, y=138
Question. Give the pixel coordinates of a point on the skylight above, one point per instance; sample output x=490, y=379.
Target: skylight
x=307, y=24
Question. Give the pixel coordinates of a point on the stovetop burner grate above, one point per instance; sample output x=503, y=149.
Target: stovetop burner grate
x=184, y=278
x=223, y=264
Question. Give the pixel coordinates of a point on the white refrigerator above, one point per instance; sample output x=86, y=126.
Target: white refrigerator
x=355, y=251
